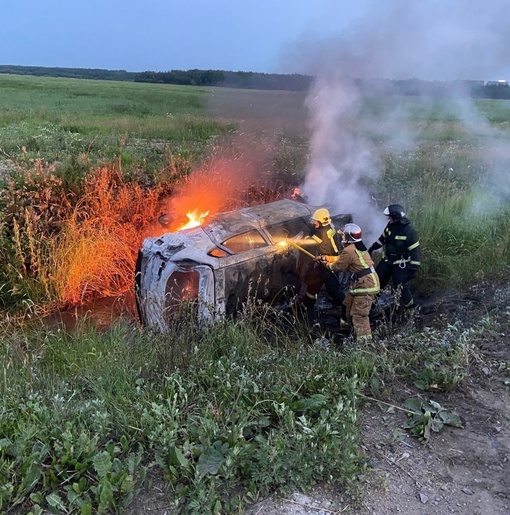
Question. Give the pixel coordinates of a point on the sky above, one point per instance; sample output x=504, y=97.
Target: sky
x=433, y=39
x=161, y=35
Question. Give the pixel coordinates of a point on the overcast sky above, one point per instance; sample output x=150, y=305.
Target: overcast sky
x=433, y=39
x=137, y=35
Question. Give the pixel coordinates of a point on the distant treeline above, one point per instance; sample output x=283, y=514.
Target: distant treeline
x=72, y=73
x=271, y=81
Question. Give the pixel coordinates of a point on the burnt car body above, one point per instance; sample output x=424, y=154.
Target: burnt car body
x=218, y=266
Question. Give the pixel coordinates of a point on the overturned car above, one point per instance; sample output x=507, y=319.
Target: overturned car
x=218, y=266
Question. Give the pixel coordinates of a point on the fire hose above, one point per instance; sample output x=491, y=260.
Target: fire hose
x=294, y=244
x=309, y=254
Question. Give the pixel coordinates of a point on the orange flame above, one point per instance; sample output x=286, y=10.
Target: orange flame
x=194, y=220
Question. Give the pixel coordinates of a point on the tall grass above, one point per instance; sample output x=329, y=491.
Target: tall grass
x=68, y=247
x=461, y=216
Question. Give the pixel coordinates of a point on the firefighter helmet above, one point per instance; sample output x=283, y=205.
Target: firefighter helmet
x=352, y=233
x=396, y=211
x=322, y=216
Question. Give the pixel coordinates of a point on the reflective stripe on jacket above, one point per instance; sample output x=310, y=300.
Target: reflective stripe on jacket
x=324, y=236
x=353, y=260
x=401, y=244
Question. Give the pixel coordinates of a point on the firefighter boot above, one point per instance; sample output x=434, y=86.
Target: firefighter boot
x=345, y=320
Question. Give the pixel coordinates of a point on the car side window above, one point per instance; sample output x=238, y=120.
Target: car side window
x=297, y=228
x=245, y=241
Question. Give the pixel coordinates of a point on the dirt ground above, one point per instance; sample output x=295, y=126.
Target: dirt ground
x=462, y=471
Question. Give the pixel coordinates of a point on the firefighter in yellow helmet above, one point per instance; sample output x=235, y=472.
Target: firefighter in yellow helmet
x=324, y=236
x=356, y=260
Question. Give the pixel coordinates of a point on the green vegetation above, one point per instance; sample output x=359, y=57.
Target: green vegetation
x=226, y=414
x=71, y=121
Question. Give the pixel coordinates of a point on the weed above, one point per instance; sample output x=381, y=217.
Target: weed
x=428, y=417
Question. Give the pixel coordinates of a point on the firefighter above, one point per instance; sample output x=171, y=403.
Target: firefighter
x=324, y=235
x=401, y=253
x=356, y=260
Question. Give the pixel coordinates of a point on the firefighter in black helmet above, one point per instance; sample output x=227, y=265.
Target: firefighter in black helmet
x=401, y=253
x=324, y=235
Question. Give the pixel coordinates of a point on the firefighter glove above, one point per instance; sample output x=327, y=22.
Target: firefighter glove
x=322, y=260
x=325, y=260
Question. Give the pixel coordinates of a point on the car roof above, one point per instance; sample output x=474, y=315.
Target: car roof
x=222, y=226
x=195, y=243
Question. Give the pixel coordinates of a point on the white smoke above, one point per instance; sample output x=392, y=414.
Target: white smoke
x=339, y=154
x=398, y=39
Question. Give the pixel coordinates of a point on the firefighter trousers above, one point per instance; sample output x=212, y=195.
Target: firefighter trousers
x=358, y=310
x=400, y=279
x=318, y=276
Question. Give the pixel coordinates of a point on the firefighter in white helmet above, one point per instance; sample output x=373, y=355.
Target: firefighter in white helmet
x=326, y=239
x=356, y=260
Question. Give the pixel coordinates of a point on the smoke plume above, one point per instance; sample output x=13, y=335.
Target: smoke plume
x=438, y=40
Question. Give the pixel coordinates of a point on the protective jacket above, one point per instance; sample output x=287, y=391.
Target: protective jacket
x=324, y=236
x=357, y=261
x=401, y=244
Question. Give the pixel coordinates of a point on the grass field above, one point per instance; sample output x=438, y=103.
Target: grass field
x=60, y=118
x=229, y=414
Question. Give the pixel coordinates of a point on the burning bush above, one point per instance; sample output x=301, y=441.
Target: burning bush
x=97, y=251
x=70, y=247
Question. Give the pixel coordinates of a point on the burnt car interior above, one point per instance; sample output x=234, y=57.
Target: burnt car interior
x=247, y=241
x=182, y=287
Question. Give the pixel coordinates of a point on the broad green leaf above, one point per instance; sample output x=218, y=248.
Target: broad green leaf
x=435, y=405
x=313, y=403
x=55, y=501
x=422, y=384
x=36, y=510
x=106, y=497
x=124, y=443
x=426, y=430
x=133, y=462
x=217, y=508
x=32, y=476
x=437, y=424
x=210, y=461
x=177, y=458
x=263, y=421
x=128, y=484
x=37, y=497
x=86, y=509
x=102, y=463
x=5, y=443
x=414, y=404
x=451, y=419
